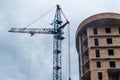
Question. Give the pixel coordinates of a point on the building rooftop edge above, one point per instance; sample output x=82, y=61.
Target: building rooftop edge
x=109, y=15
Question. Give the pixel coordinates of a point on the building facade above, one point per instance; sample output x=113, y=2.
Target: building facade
x=98, y=47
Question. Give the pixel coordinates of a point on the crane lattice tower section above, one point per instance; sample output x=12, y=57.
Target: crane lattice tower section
x=98, y=47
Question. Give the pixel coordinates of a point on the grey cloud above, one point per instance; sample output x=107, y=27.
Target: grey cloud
x=15, y=49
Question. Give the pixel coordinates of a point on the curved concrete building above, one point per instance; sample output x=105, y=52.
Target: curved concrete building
x=98, y=47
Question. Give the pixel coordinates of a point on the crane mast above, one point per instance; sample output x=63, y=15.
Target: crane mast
x=57, y=75
x=57, y=40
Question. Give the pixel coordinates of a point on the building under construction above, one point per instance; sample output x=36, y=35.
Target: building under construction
x=98, y=47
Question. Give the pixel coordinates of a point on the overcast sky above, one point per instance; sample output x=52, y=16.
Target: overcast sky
x=30, y=58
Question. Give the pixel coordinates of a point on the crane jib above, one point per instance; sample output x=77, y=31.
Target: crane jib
x=33, y=30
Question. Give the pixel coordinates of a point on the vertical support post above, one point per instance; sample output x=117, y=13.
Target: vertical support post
x=57, y=70
x=80, y=57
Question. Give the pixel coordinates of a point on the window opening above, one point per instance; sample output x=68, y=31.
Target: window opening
x=112, y=63
x=119, y=30
x=97, y=53
x=110, y=52
x=95, y=30
x=96, y=42
x=109, y=40
x=100, y=76
x=108, y=30
x=98, y=64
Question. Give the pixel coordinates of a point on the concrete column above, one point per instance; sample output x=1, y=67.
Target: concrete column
x=80, y=56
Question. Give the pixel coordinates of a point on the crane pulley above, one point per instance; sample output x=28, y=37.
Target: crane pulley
x=57, y=39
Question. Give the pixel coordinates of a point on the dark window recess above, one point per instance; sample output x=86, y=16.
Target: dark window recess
x=109, y=40
x=96, y=42
x=98, y=64
x=108, y=30
x=112, y=64
x=97, y=53
x=110, y=52
x=119, y=30
x=100, y=76
x=95, y=30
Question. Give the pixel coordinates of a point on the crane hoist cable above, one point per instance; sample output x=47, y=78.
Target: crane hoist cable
x=29, y=60
x=69, y=55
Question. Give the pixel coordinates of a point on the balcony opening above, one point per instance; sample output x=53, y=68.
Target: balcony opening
x=114, y=77
x=114, y=74
x=84, y=34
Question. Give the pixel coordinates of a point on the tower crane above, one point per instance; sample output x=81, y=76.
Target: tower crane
x=57, y=39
